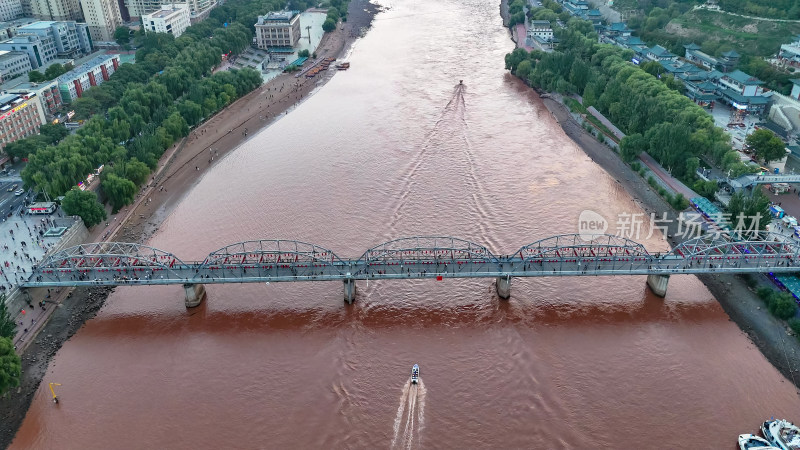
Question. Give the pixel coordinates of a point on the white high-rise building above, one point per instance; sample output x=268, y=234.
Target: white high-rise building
x=197, y=8
x=103, y=18
x=10, y=9
x=172, y=19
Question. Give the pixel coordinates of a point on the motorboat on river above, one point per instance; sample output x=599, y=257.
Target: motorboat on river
x=752, y=442
x=781, y=434
x=415, y=374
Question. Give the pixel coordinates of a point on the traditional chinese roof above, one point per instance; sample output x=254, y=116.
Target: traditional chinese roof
x=741, y=77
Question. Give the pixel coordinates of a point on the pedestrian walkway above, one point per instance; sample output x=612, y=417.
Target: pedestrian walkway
x=672, y=182
x=23, y=243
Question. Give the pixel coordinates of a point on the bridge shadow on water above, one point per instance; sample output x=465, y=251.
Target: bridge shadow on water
x=368, y=315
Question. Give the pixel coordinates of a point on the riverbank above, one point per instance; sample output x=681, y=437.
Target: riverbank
x=732, y=292
x=178, y=171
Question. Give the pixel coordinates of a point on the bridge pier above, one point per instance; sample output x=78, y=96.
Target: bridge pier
x=195, y=294
x=658, y=284
x=504, y=287
x=349, y=290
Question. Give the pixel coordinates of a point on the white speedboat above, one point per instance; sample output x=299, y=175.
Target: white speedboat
x=752, y=442
x=415, y=374
x=781, y=434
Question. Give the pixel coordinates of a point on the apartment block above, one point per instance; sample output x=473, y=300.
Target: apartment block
x=58, y=10
x=46, y=95
x=102, y=17
x=91, y=73
x=19, y=118
x=10, y=9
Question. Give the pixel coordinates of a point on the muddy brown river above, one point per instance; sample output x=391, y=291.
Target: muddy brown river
x=388, y=149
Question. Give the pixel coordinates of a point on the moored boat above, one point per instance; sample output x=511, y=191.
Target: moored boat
x=752, y=442
x=781, y=434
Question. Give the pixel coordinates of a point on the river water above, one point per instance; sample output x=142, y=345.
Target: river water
x=393, y=148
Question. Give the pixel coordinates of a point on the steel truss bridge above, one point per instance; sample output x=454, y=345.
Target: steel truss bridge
x=127, y=264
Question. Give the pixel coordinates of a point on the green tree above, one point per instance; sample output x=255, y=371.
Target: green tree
x=749, y=212
x=52, y=133
x=304, y=53
x=53, y=71
x=135, y=170
x=120, y=191
x=7, y=325
x=766, y=145
x=85, y=107
x=84, y=204
x=782, y=305
x=632, y=146
x=329, y=25
x=21, y=148
x=10, y=365
x=122, y=35
x=34, y=76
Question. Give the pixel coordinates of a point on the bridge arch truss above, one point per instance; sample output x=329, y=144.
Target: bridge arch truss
x=421, y=252
x=123, y=258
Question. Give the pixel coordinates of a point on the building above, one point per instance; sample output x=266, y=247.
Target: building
x=10, y=9
x=19, y=118
x=729, y=60
x=790, y=53
x=70, y=38
x=57, y=10
x=45, y=94
x=540, y=28
x=694, y=55
x=795, y=89
x=198, y=9
x=102, y=17
x=91, y=73
x=278, y=29
x=13, y=64
x=172, y=19
x=659, y=53
x=9, y=29
x=743, y=92
x=40, y=50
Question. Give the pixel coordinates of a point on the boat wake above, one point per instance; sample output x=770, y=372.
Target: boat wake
x=410, y=418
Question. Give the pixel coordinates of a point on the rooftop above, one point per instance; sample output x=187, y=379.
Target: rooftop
x=691, y=46
x=168, y=10
x=285, y=16
x=741, y=77
x=659, y=51
x=544, y=23
x=619, y=26
x=94, y=62
x=5, y=54
x=731, y=54
x=41, y=25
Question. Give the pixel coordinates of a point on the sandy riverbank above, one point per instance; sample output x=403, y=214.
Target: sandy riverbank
x=178, y=171
x=736, y=298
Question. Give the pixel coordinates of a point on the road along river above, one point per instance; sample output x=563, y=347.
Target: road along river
x=394, y=147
